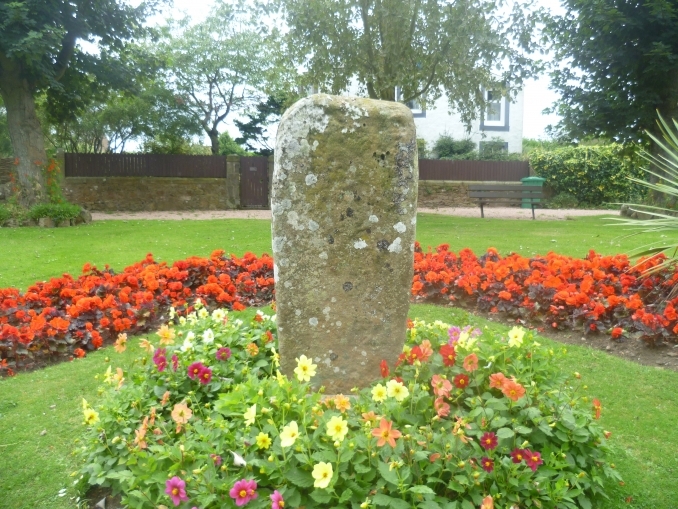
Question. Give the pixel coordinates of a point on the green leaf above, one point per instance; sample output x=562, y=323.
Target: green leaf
x=584, y=502
x=321, y=496
x=504, y=433
x=429, y=504
x=300, y=478
x=385, y=500
x=292, y=497
x=523, y=430
x=422, y=490
x=345, y=496
x=465, y=504
x=325, y=455
x=388, y=475
x=361, y=468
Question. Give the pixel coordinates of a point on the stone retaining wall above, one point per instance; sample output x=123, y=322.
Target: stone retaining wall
x=448, y=193
x=147, y=193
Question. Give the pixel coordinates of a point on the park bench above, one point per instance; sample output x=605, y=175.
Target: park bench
x=487, y=193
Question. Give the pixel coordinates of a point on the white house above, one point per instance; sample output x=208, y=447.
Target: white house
x=502, y=119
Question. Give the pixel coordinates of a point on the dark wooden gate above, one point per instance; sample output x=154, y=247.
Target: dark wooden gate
x=254, y=182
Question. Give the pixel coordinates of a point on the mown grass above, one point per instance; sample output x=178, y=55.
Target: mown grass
x=28, y=255
x=640, y=403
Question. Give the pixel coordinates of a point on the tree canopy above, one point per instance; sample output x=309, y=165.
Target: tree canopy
x=217, y=67
x=426, y=48
x=616, y=64
x=39, y=52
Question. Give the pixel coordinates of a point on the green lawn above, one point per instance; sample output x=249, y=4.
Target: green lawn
x=639, y=403
x=35, y=254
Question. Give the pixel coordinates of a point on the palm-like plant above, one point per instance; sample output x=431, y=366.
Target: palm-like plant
x=664, y=252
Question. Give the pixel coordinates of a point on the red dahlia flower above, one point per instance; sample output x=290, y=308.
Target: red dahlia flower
x=488, y=441
x=461, y=381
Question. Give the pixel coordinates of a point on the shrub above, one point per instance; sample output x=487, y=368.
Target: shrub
x=56, y=211
x=563, y=200
x=422, y=148
x=447, y=147
x=464, y=419
x=593, y=175
x=5, y=214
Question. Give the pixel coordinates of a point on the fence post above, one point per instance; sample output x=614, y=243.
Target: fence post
x=271, y=163
x=233, y=181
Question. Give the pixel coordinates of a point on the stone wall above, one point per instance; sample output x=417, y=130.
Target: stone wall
x=148, y=193
x=441, y=193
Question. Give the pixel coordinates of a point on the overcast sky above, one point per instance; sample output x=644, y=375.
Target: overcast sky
x=537, y=93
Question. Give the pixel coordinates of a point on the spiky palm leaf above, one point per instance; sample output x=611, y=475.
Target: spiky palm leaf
x=662, y=219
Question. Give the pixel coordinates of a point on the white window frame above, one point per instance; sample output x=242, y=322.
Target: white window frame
x=502, y=111
x=413, y=105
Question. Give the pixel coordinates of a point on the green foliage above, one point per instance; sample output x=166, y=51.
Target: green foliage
x=241, y=416
x=252, y=133
x=446, y=147
x=531, y=144
x=5, y=142
x=217, y=67
x=422, y=148
x=615, y=64
x=662, y=220
x=426, y=49
x=55, y=211
x=229, y=146
x=5, y=214
x=563, y=200
x=594, y=175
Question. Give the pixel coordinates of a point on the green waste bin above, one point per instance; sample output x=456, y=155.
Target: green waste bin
x=531, y=181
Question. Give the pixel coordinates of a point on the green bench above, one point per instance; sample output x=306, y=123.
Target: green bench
x=488, y=193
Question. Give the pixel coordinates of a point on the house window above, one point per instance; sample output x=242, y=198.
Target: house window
x=307, y=90
x=496, y=114
x=414, y=105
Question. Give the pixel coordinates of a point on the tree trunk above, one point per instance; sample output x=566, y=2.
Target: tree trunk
x=214, y=139
x=25, y=132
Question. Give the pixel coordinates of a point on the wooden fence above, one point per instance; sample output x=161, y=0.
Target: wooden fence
x=144, y=165
x=173, y=165
x=483, y=171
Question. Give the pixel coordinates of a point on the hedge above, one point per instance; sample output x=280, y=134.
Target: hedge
x=594, y=175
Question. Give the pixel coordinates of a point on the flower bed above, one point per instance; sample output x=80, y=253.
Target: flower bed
x=598, y=293
x=66, y=317
x=464, y=420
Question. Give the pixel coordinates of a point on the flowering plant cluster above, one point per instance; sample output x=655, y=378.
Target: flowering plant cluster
x=464, y=420
x=67, y=317
x=598, y=293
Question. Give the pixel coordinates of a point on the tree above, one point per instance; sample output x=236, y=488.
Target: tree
x=616, y=65
x=5, y=142
x=228, y=146
x=39, y=52
x=149, y=112
x=252, y=132
x=423, y=47
x=217, y=67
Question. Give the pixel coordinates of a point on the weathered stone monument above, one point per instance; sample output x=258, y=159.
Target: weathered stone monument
x=344, y=210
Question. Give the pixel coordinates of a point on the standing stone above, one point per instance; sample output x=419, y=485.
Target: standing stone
x=344, y=204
